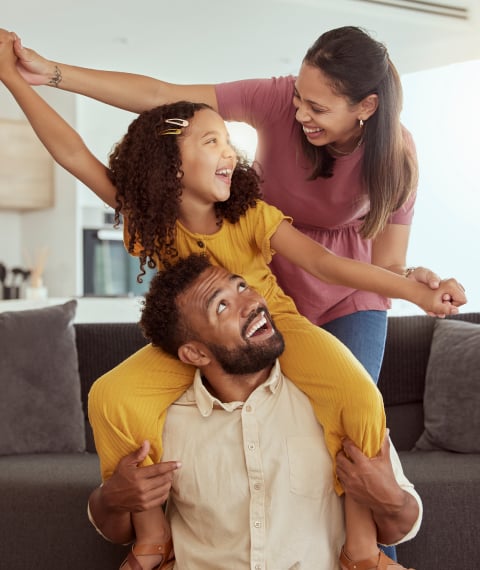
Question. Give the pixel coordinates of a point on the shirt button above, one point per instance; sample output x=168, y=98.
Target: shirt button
x=200, y=243
x=258, y=567
x=248, y=408
x=257, y=524
x=257, y=486
x=251, y=446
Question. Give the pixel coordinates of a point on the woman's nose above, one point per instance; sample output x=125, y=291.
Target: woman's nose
x=301, y=115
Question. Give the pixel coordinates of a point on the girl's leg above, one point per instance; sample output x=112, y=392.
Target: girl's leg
x=153, y=541
x=128, y=405
x=364, y=333
x=344, y=398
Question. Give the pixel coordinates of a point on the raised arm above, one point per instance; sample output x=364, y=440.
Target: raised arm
x=330, y=268
x=59, y=138
x=136, y=93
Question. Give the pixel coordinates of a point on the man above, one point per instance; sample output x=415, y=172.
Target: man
x=255, y=489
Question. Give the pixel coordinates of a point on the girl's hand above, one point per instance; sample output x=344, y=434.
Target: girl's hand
x=445, y=299
x=7, y=55
x=34, y=68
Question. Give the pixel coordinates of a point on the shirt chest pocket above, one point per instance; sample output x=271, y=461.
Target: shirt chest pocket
x=310, y=466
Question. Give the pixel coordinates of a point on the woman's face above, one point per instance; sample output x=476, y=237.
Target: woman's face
x=326, y=118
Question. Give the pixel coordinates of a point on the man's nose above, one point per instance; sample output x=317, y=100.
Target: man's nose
x=249, y=305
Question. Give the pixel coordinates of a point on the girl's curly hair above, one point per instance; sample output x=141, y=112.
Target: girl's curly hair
x=144, y=168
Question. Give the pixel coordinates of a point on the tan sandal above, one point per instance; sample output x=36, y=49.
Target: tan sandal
x=149, y=549
x=380, y=562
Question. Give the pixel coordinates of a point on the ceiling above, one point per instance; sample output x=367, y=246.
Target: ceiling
x=215, y=40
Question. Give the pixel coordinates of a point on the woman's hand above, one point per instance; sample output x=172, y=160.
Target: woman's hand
x=34, y=68
x=454, y=293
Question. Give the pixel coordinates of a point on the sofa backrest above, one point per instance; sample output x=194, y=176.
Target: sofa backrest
x=100, y=347
x=402, y=377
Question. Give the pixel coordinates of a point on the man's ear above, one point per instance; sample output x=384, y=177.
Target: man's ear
x=368, y=106
x=194, y=353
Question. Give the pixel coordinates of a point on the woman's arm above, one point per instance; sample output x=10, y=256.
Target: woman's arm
x=136, y=93
x=389, y=250
x=330, y=268
x=59, y=138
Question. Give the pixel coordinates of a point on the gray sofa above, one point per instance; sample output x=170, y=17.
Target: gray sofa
x=43, y=496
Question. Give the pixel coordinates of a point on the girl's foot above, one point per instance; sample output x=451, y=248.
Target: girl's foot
x=154, y=556
x=379, y=562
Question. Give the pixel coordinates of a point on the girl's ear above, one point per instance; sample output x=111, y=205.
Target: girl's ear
x=368, y=106
x=194, y=353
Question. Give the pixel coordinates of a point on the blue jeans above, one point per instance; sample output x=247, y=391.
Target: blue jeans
x=364, y=333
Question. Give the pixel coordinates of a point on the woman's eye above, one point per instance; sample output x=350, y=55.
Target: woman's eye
x=242, y=287
x=221, y=307
x=211, y=141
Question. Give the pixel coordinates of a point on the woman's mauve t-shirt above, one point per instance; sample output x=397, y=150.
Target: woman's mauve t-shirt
x=329, y=210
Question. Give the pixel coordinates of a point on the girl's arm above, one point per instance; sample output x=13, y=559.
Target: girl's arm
x=59, y=138
x=136, y=93
x=330, y=268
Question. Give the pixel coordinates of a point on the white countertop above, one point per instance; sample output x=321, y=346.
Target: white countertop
x=89, y=309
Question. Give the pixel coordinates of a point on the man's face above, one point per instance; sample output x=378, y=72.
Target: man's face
x=232, y=321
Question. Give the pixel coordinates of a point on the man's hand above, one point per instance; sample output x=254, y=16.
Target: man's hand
x=371, y=482
x=134, y=489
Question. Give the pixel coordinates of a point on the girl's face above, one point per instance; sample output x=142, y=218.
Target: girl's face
x=208, y=159
x=326, y=118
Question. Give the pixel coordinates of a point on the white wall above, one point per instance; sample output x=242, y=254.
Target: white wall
x=441, y=110
x=55, y=228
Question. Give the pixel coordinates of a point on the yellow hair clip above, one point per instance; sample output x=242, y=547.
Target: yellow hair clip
x=182, y=123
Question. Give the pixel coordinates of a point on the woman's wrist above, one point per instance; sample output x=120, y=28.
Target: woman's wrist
x=408, y=271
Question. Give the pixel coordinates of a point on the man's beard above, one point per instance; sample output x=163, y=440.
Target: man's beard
x=249, y=358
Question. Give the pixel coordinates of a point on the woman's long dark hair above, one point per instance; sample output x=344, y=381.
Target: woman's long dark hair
x=358, y=66
x=145, y=167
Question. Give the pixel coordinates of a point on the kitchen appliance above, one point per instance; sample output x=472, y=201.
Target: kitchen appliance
x=108, y=270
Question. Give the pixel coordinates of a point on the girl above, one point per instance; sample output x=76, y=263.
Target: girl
x=182, y=189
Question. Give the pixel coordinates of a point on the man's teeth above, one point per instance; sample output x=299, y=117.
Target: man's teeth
x=258, y=325
x=224, y=171
x=309, y=131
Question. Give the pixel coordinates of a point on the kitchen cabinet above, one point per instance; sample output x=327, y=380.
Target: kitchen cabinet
x=26, y=169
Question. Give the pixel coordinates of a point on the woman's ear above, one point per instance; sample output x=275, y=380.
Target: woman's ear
x=368, y=106
x=194, y=353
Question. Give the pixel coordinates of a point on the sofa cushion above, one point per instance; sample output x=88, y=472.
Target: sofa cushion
x=452, y=395
x=40, y=403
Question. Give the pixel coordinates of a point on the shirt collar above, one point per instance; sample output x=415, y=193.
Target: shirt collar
x=205, y=402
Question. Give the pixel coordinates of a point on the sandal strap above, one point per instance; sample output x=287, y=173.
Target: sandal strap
x=380, y=562
x=145, y=549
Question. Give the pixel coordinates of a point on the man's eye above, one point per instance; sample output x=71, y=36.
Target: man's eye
x=214, y=140
x=221, y=307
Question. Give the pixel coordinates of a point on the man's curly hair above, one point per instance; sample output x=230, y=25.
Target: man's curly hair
x=162, y=323
x=144, y=168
